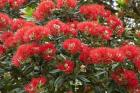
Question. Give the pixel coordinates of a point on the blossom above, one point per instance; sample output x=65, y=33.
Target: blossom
x=92, y=10
x=4, y=21
x=136, y=62
x=55, y=26
x=2, y=50
x=101, y=55
x=95, y=29
x=125, y=77
x=3, y=3
x=130, y=51
x=6, y=35
x=35, y=34
x=72, y=3
x=85, y=27
x=19, y=23
x=24, y=52
x=85, y=54
x=131, y=78
x=35, y=84
x=16, y=24
x=16, y=4
x=119, y=56
x=72, y=45
x=70, y=28
x=116, y=24
x=67, y=66
x=10, y=42
x=69, y=3
x=20, y=33
x=60, y=3
x=48, y=51
x=104, y=32
x=43, y=9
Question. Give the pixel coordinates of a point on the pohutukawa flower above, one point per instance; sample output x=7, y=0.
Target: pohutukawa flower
x=72, y=45
x=17, y=23
x=6, y=35
x=70, y=29
x=125, y=77
x=16, y=4
x=55, y=27
x=2, y=50
x=69, y=3
x=130, y=51
x=4, y=21
x=67, y=67
x=24, y=52
x=36, y=33
x=3, y=3
x=85, y=54
x=35, y=85
x=48, y=51
x=43, y=9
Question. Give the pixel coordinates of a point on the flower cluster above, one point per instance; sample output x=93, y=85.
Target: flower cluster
x=96, y=11
x=69, y=3
x=67, y=43
x=35, y=85
x=67, y=67
x=126, y=78
x=14, y=4
x=43, y=9
x=47, y=6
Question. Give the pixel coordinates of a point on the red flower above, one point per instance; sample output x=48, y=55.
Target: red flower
x=119, y=56
x=60, y=3
x=55, y=26
x=92, y=10
x=4, y=21
x=43, y=9
x=67, y=67
x=130, y=51
x=136, y=62
x=72, y=45
x=113, y=21
x=84, y=55
x=6, y=35
x=69, y=3
x=19, y=34
x=131, y=78
x=86, y=27
x=19, y=23
x=35, y=83
x=35, y=34
x=106, y=33
x=101, y=55
x=125, y=77
x=15, y=4
x=72, y=3
x=48, y=51
x=23, y=52
x=3, y=3
x=70, y=29
x=10, y=42
x=2, y=50
x=116, y=24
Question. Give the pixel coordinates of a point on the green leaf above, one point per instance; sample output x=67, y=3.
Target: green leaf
x=83, y=78
x=54, y=71
x=58, y=82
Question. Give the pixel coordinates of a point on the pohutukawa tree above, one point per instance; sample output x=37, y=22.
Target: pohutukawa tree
x=65, y=46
